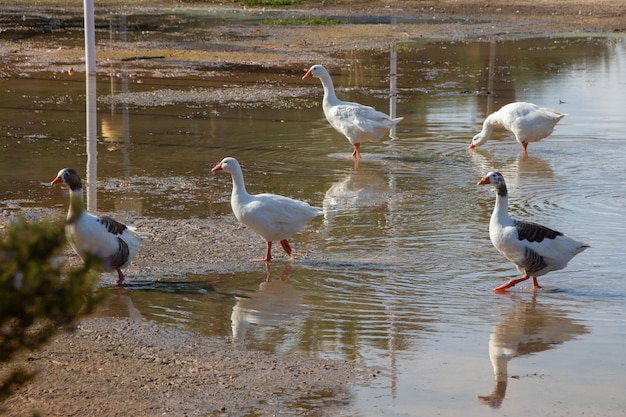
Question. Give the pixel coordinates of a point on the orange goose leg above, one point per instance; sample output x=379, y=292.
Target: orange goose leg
x=120, y=277
x=286, y=246
x=511, y=283
x=524, y=146
x=268, y=254
x=355, y=153
x=502, y=288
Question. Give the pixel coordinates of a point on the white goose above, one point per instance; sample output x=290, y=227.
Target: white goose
x=355, y=121
x=527, y=121
x=274, y=217
x=108, y=239
x=534, y=249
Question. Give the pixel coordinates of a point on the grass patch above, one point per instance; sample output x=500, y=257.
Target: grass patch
x=273, y=3
x=297, y=21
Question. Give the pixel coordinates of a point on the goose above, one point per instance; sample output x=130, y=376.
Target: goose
x=355, y=121
x=104, y=237
x=534, y=249
x=274, y=217
x=527, y=121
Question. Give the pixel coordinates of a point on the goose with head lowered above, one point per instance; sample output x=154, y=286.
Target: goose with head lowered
x=357, y=122
x=534, y=249
x=103, y=237
x=527, y=121
x=274, y=217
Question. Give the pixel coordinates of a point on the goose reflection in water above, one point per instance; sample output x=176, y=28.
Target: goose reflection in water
x=514, y=170
x=276, y=304
x=118, y=304
x=357, y=189
x=530, y=327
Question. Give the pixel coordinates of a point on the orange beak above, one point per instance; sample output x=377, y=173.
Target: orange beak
x=471, y=145
x=484, y=181
x=307, y=75
x=57, y=180
x=217, y=167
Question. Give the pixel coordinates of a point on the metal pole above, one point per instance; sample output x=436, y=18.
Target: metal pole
x=90, y=38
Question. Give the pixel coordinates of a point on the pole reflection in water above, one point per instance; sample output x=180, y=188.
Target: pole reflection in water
x=393, y=88
x=530, y=327
x=490, y=83
x=92, y=142
x=116, y=124
x=274, y=306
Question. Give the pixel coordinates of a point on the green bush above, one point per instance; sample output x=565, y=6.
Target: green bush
x=37, y=293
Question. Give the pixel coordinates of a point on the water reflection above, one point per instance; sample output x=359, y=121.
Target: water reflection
x=529, y=327
x=119, y=303
x=116, y=124
x=393, y=86
x=272, y=310
x=356, y=189
x=517, y=169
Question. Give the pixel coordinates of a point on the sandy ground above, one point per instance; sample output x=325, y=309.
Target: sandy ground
x=111, y=367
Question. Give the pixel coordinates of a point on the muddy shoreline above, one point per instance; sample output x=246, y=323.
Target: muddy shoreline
x=111, y=366
x=287, y=47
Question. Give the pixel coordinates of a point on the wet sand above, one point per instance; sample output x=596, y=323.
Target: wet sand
x=131, y=366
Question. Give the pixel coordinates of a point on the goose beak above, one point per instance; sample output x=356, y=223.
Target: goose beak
x=217, y=167
x=307, y=75
x=471, y=145
x=484, y=181
x=57, y=180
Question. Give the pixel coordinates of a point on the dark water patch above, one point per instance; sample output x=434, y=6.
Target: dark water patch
x=178, y=287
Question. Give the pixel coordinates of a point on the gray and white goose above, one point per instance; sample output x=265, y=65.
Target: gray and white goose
x=534, y=249
x=104, y=237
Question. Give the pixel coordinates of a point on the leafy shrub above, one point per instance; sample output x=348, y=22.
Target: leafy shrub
x=37, y=295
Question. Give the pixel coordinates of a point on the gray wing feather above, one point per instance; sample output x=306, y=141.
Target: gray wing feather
x=113, y=226
x=533, y=262
x=121, y=256
x=534, y=232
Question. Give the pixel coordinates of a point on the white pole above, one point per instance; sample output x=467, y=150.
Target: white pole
x=90, y=38
x=92, y=141
x=92, y=130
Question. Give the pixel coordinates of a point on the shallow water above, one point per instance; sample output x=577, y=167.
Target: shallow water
x=398, y=275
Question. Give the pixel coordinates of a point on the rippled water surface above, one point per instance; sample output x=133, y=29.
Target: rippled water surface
x=398, y=276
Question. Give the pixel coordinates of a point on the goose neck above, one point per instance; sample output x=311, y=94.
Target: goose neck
x=77, y=206
x=485, y=133
x=501, y=209
x=239, y=187
x=329, y=88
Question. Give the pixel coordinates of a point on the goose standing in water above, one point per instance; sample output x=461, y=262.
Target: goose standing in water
x=534, y=249
x=104, y=237
x=527, y=121
x=274, y=217
x=355, y=121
